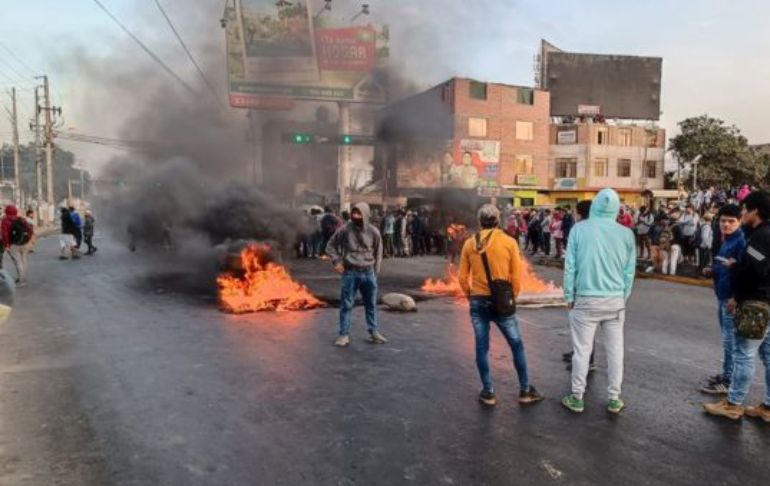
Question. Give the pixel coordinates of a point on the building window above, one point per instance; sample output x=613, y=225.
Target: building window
x=651, y=137
x=525, y=96
x=478, y=91
x=566, y=168
x=624, y=137
x=527, y=202
x=651, y=169
x=525, y=130
x=601, y=167
x=477, y=127
x=624, y=168
x=524, y=164
x=602, y=136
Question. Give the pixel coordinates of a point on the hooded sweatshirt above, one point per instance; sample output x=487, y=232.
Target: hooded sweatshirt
x=355, y=247
x=11, y=213
x=504, y=262
x=601, y=254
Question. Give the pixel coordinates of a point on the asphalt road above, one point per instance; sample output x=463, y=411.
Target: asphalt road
x=118, y=369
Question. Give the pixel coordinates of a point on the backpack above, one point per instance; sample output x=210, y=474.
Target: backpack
x=21, y=232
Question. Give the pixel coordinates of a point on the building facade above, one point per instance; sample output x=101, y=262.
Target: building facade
x=488, y=140
x=587, y=156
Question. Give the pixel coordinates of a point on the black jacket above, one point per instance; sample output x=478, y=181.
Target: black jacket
x=751, y=277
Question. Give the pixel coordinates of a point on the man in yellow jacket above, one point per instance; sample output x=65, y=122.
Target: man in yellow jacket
x=505, y=264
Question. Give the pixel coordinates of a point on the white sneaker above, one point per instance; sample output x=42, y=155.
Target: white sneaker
x=342, y=341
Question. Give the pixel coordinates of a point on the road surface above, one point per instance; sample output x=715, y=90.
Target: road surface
x=118, y=369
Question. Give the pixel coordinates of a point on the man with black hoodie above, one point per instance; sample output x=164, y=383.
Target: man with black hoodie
x=356, y=252
x=751, y=302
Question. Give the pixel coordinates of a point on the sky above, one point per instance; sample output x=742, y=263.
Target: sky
x=714, y=51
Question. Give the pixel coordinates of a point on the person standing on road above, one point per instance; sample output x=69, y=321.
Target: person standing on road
x=67, y=238
x=545, y=231
x=598, y=278
x=88, y=232
x=31, y=221
x=77, y=223
x=732, y=248
x=504, y=262
x=16, y=234
x=329, y=225
x=388, y=234
x=356, y=252
x=643, y=226
x=751, y=280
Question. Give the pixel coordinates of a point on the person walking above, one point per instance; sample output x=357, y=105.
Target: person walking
x=77, y=222
x=598, y=278
x=67, y=237
x=545, y=231
x=88, y=232
x=732, y=248
x=356, y=252
x=488, y=259
x=557, y=233
x=751, y=305
x=16, y=234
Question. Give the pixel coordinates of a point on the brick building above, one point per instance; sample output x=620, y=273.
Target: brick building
x=484, y=139
x=588, y=156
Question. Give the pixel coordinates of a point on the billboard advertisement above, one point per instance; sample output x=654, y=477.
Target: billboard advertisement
x=286, y=50
x=464, y=164
x=613, y=86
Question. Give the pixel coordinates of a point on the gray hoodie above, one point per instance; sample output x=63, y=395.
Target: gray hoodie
x=357, y=248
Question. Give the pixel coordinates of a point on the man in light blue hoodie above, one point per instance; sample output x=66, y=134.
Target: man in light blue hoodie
x=598, y=277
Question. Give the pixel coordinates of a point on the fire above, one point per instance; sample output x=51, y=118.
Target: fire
x=264, y=286
x=450, y=284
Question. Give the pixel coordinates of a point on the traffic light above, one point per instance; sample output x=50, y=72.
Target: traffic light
x=297, y=138
x=355, y=140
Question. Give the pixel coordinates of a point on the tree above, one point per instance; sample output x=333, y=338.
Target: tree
x=726, y=157
x=63, y=172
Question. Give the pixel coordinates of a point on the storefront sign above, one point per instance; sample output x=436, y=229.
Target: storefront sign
x=565, y=183
x=566, y=137
x=526, y=179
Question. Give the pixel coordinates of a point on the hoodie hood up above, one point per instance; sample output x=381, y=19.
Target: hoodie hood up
x=606, y=205
x=11, y=211
x=365, y=211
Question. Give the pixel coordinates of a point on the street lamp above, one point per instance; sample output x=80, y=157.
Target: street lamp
x=364, y=11
x=694, y=162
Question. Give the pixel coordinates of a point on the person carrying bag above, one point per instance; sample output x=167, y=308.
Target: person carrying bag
x=490, y=276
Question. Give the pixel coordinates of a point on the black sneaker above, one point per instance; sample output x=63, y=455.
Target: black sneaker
x=715, y=379
x=530, y=396
x=716, y=388
x=488, y=398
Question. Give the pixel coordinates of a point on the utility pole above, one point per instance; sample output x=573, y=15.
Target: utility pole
x=38, y=162
x=16, y=178
x=48, y=142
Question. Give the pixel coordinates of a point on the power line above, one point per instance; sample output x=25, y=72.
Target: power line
x=186, y=50
x=17, y=59
x=144, y=47
x=10, y=66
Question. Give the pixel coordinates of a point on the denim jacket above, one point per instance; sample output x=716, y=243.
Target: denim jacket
x=732, y=247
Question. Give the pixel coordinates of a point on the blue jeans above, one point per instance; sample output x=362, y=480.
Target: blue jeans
x=727, y=325
x=743, y=374
x=352, y=282
x=482, y=314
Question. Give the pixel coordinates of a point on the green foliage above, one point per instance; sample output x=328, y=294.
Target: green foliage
x=726, y=157
x=62, y=169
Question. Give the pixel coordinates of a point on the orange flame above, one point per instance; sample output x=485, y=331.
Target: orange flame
x=264, y=286
x=450, y=284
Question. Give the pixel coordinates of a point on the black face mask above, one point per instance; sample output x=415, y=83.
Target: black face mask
x=359, y=222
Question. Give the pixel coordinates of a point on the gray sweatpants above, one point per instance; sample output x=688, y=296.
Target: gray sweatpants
x=585, y=318
x=18, y=254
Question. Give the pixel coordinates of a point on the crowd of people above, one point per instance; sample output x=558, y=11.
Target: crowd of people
x=602, y=239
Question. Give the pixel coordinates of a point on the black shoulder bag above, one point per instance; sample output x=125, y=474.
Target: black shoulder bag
x=503, y=300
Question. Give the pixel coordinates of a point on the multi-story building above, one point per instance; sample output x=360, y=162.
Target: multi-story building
x=484, y=139
x=587, y=156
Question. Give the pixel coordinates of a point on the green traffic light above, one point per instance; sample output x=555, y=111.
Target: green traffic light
x=298, y=138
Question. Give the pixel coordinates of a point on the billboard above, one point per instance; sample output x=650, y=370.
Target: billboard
x=613, y=86
x=465, y=164
x=285, y=50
